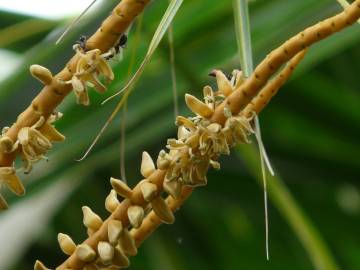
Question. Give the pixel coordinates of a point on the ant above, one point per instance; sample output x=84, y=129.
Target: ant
x=120, y=44
x=81, y=43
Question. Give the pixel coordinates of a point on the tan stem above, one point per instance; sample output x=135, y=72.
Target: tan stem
x=120, y=213
x=259, y=102
x=152, y=221
x=52, y=95
x=247, y=91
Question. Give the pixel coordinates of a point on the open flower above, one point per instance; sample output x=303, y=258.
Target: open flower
x=90, y=66
x=34, y=146
x=200, y=142
x=35, y=141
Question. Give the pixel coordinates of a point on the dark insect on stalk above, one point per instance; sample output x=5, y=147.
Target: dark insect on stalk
x=81, y=42
x=120, y=44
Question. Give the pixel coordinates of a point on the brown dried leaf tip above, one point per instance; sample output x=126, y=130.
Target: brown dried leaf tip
x=91, y=64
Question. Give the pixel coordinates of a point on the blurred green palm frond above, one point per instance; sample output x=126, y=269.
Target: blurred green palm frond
x=311, y=130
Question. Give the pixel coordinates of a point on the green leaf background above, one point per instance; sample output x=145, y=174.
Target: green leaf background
x=311, y=131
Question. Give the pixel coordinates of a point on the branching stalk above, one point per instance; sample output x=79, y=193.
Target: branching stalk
x=52, y=95
x=217, y=126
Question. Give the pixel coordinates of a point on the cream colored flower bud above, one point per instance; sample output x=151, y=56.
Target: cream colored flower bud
x=85, y=253
x=115, y=229
x=148, y=190
x=183, y=121
x=223, y=83
x=198, y=107
x=162, y=210
x=91, y=220
x=6, y=144
x=127, y=243
x=106, y=252
x=67, y=245
x=121, y=187
x=136, y=215
x=173, y=188
x=41, y=73
x=40, y=266
x=120, y=259
x=147, y=165
x=111, y=201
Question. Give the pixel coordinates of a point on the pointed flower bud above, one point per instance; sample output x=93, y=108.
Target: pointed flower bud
x=147, y=165
x=136, y=215
x=223, y=83
x=115, y=229
x=91, y=220
x=67, y=245
x=121, y=187
x=127, y=243
x=111, y=201
x=40, y=266
x=85, y=253
x=198, y=107
x=120, y=259
x=173, y=188
x=106, y=252
x=162, y=210
x=41, y=73
x=148, y=190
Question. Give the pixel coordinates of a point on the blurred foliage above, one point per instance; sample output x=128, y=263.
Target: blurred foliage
x=311, y=130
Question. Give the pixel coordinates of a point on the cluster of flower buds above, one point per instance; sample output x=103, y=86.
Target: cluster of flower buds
x=198, y=146
x=115, y=243
x=32, y=143
x=113, y=251
x=200, y=142
x=90, y=65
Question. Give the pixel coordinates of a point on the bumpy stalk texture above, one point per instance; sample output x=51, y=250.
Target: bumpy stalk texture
x=240, y=98
x=222, y=120
x=85, y=67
